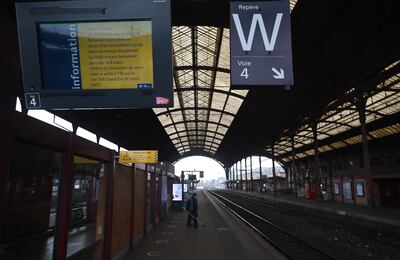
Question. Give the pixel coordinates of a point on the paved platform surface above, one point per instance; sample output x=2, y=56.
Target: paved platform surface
x=223, y=237
x=384, y=215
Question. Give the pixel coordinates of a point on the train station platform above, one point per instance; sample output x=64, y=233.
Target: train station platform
x=383, y=215
x=222, y=237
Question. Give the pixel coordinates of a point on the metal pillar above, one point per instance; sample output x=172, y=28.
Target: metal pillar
x=273, y=169
x=294, y=167
x=110, y=173
x=241, y=175
x=366, y=163
x=251, y=174
x=145, y=200
x=261, y=177
x=316, y=158
x=245, y=170
x=287, y=175
x=233, y=177
x=153, y=195
x=132, y=224
x=237, y=176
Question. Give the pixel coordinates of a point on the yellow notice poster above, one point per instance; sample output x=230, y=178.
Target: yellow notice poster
x=116, y=55
x=138, y=156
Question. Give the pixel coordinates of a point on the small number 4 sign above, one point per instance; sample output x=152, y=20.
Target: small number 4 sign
x=32, y=100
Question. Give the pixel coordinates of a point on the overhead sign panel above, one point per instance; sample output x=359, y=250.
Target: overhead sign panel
x=96, y=54
x=138, y=156
x=261, y=49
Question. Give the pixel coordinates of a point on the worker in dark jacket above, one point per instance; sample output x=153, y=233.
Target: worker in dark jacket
x=191, y=207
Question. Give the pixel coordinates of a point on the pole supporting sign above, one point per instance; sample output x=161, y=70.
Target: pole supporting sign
x=261, y=49
x=138, y=156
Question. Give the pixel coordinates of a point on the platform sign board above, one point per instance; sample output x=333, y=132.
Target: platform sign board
x=192, y=177
x=261, y=49
x=96, y=54
x=138, y=156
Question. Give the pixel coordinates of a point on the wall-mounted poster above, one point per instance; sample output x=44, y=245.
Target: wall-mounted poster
x=347, y=190
x=177, y=192
x=337, y=188
x=360, y=189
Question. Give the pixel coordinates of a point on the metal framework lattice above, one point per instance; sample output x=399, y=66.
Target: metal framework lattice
x=205, y=106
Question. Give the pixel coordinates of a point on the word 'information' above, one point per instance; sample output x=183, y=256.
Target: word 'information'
x=96, y=55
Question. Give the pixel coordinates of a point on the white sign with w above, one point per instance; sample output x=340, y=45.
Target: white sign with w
x=258, y=19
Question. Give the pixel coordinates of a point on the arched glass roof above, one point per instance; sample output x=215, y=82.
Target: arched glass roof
x=205, y=105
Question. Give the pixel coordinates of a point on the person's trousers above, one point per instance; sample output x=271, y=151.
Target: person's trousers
x=192, y=216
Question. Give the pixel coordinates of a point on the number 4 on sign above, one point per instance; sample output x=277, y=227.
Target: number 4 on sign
x=244, y=73
x=32, y=100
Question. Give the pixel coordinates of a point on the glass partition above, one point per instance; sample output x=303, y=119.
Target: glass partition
x=32, y=200
x=86, y=225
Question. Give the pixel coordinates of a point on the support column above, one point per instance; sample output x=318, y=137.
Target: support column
x=237, y=176
x=110, y=172
x=273, y=169
x=287, y=172
x=233, y=177
x=316, y=159
x=153, y=195
x=159, y=194
x=251, y=174
x=360, y=104
x=132, y=224
x=11, y=71
x=261, y=176
x=145, y=200
x=63, y=213
x=245, y=170
x=241, y=175
x=294, y=172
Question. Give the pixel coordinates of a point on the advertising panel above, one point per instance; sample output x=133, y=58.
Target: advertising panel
x=177, y=194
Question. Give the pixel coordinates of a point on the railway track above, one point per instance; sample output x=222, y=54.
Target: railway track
x=388, y=239
x=285, y=242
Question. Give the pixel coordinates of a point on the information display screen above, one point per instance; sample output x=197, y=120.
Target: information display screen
x=96, y=55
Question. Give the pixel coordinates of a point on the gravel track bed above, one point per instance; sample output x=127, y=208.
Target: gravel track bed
x=340, y=237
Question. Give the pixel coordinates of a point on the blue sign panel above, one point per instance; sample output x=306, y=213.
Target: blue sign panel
x=59, y=56
x=261, y=49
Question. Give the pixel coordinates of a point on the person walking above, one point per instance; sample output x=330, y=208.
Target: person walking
x=191, y=207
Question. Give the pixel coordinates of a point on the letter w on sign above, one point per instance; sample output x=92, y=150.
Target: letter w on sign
x=257, y=19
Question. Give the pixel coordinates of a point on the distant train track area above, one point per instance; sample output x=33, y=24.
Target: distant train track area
x=300, y=233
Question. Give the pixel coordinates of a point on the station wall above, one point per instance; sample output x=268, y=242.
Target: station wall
x=65, y=197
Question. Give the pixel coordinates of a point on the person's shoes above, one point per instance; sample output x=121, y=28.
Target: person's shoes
x=189, y=225
x=195, y=227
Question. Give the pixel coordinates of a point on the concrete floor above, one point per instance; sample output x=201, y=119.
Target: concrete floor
x=223, y=237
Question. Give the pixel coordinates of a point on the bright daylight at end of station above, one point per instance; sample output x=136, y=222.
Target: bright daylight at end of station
x=201, y=129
